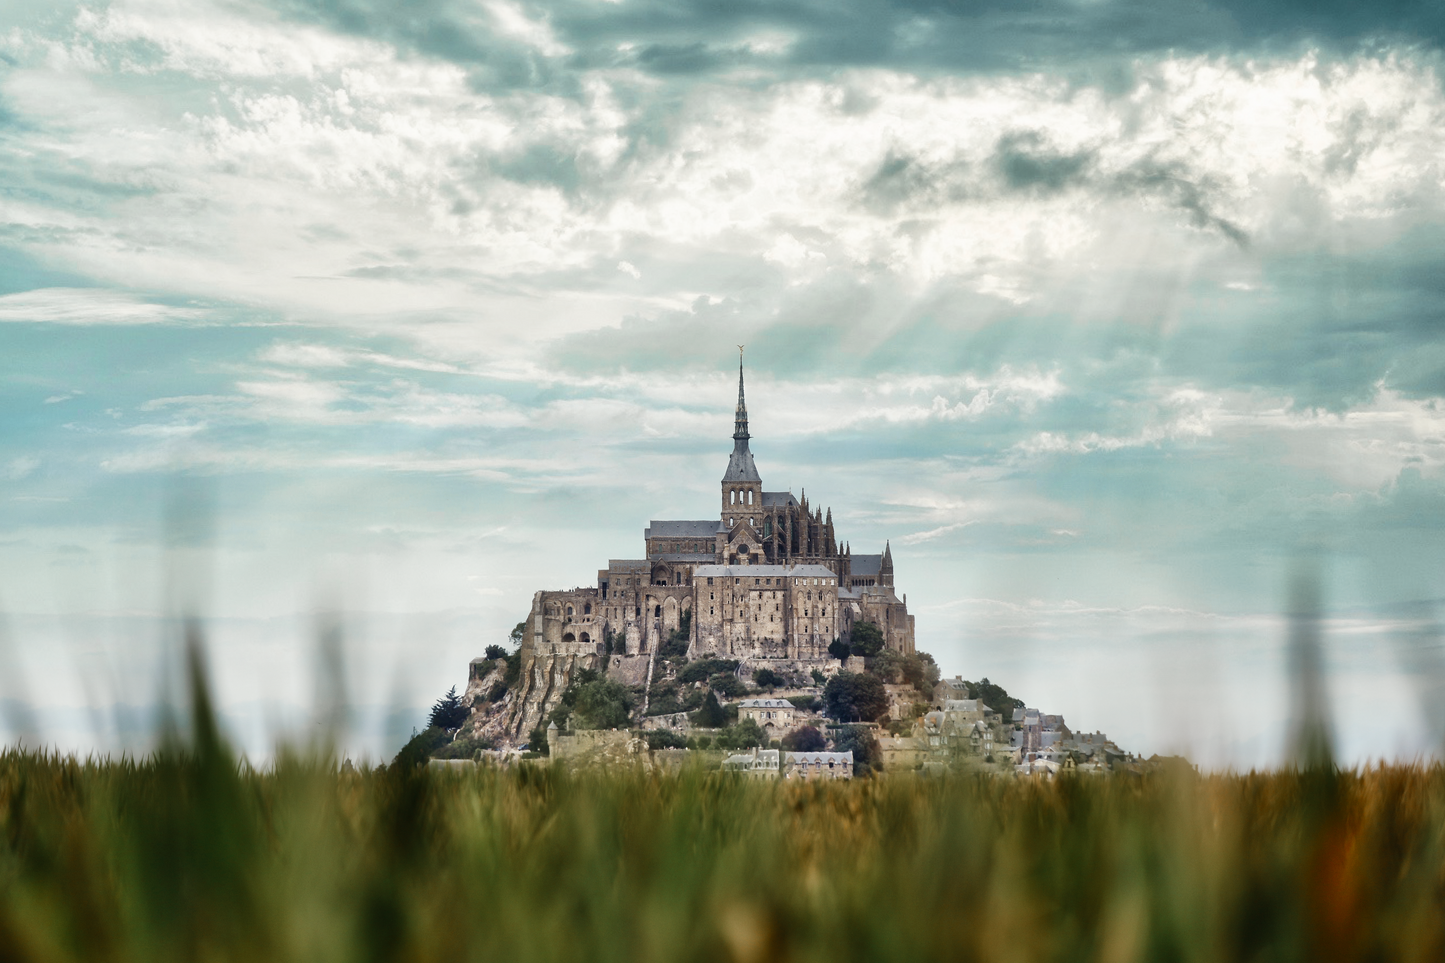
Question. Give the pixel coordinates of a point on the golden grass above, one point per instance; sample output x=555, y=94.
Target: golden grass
x=187, y=856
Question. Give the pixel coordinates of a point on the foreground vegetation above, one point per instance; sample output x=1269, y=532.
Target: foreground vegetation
x=189, y=856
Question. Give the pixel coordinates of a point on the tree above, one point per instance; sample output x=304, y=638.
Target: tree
x=867, y=754
x=806, y=739
x=818, y=677
x=495, y=652
x=711, y=715
x=867, y=639
x=744, y=735
x=516, y=635
x=602, y=704
x=448, y=713
x=665, y=739
x=855, y=697
x=766, y=678
x=419, y=748
x=537, y=740
x=838, y=649
x=995, y=697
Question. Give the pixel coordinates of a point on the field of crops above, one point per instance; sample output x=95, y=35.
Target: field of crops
x=188, y=856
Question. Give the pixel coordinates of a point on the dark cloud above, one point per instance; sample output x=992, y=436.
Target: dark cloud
x=1028, y=163
x=691, y=37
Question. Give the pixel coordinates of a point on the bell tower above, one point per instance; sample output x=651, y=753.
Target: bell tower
x=742, y=488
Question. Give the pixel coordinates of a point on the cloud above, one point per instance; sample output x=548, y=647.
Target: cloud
x=90, y=306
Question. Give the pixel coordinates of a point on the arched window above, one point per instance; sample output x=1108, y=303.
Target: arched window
x=569, y=611
x=587, y=609
x=657, y=612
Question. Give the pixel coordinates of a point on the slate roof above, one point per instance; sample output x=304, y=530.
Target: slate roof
x=686, y=557
x=777, y=499
x=766, y=704
x=673, y=528
x=789, y=571
x=740, y=464
x=866, y=565
x=814, y=758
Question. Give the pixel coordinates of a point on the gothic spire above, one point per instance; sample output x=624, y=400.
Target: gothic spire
x=740, y=465
x=740, y=419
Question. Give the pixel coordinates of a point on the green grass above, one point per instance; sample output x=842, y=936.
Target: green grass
x=189, y=855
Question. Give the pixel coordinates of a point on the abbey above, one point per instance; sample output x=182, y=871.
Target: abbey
x=763, y=580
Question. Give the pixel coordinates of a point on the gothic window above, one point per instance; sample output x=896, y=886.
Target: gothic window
x=569, y=611
x=657, y=612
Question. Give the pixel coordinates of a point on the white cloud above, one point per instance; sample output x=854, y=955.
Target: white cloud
x=89, y=306
x=22, y=467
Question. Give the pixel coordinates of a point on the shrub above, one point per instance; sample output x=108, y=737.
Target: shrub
x=420, y=747
x=495, y=652
x=766, y=678
x=703, y=668
x=665, y=739
x=838, y=649
x=744, y=735
x=662, y=699
x=805, y=702
x=537, y=740
x=818, y=677
x=729, y=685
x=601, y=704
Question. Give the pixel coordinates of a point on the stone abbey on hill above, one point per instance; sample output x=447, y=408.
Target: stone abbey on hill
x=765, y=579
x=764, y=582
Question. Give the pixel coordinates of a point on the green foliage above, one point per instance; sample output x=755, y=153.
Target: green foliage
x=519, y=632
x=513, y=675
x=917, y=670
x=767, y=679
x=662, y=699
x=729, y=685
x=703, y=669
x=867, y=639
x=805, y=702
x=743, y=735
x=537, y=740
x=495, y=652
x=448, y=712
x=818, y=677
x=710, y=715
x=463, y=748
x=665, y=739
x=674, y=648
x=838, y=649
x=867, y=754
x=601, y=704
x=806, y=739
x=855, y=697
x=995, y=697
x=188, y=855
x=420, y=747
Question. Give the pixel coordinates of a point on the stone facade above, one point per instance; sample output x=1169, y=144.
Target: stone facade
x=765, y=580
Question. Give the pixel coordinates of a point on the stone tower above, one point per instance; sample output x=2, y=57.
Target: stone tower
x=742, y=489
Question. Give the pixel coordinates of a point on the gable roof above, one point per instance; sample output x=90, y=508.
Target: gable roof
x=676, y=528
x=866, y=565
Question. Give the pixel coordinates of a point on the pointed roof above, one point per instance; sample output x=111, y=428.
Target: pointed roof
x=740, y=464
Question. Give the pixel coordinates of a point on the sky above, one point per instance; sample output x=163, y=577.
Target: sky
x=362, y=320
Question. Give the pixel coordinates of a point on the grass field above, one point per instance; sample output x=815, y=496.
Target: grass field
x=188, y=856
